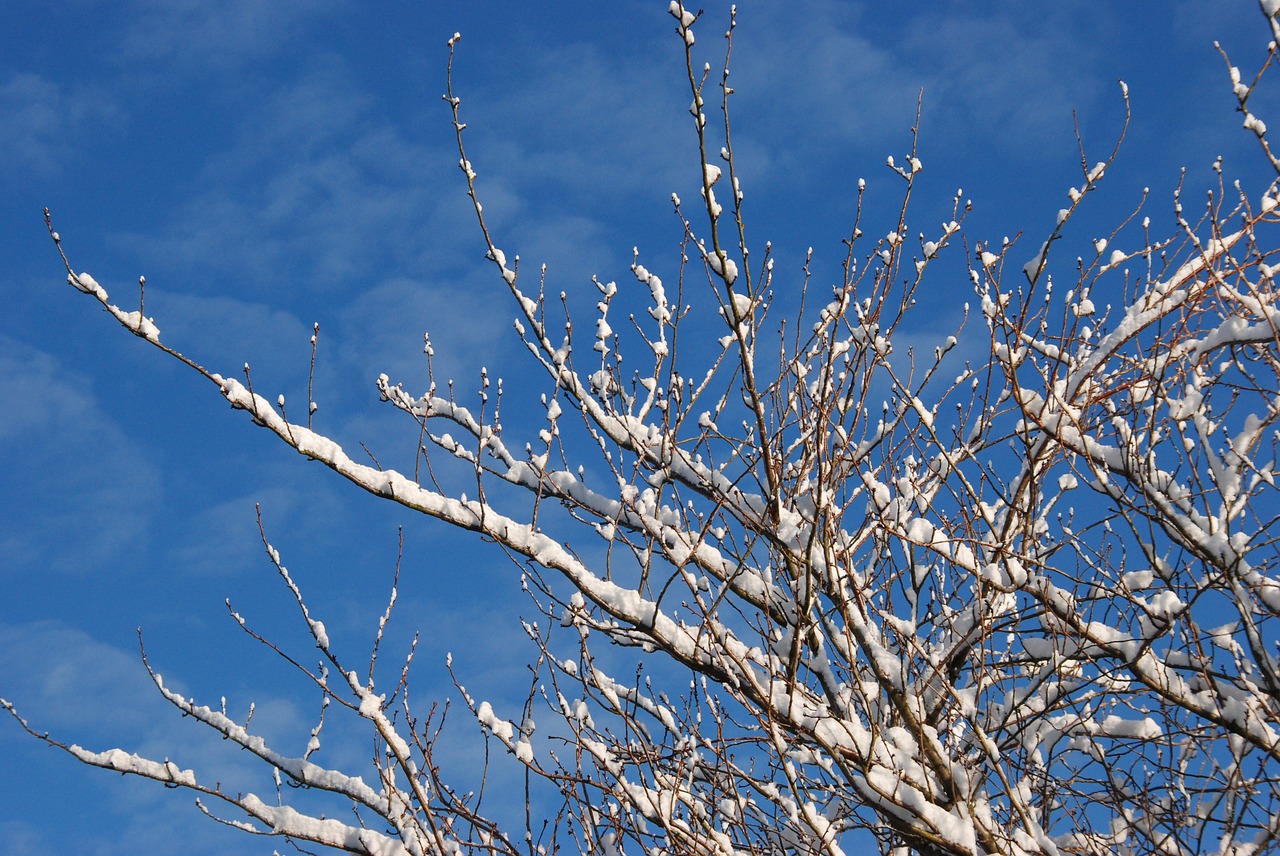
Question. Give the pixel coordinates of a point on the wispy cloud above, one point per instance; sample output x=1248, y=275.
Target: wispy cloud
x=223, y=539
x=42, y=123
x=224, y=332
x=318, y=192
x=1015, y=99
x=52, y=423
x=202, y=35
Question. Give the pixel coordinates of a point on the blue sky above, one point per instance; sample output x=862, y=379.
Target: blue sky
x=267, y=166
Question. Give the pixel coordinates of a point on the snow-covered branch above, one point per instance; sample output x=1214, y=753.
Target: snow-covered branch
x=1014, y=597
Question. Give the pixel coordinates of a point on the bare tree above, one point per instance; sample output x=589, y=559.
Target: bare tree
x=1023, y=599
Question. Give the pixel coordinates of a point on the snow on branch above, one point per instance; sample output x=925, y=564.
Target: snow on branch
x=805, y=569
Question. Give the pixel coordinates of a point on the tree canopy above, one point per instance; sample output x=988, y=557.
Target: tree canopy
x=800, y=574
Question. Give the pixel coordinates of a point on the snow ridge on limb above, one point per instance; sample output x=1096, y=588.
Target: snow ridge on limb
x=279, y=819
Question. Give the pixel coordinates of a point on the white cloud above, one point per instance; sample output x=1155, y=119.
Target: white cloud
x=588, y=123
x=83, y=482
x=55, y=674
x=317, y=193
x=224, y=332
x=222, y=539
x=827, y=76
x=201, y=35
x=43, y=123
x=1017, y=98
x=23, y=838
x=381, y=329
x=838, y=78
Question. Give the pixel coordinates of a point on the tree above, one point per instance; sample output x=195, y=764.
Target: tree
x=1018, y=599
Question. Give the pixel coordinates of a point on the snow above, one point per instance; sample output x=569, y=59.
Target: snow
x=920, y=531
x=371, y=705
x=87, y=284
x=659, y=311
x=1138, y=729
x=684, y=16
x=135, y=321
x=144, y=327
x=712, y=204
x=299, y=770
x=125, y=762
x=285, y=820
x=500, y=728
x=728, y=271
x=1032, y=267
